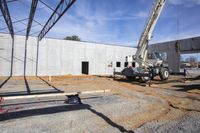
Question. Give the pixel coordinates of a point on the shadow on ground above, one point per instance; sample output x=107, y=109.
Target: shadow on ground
x=60, y=109
x=4, y=82
x=28, y=89
x=195, y=78
x=22, y=93
x=124, y=80
x=27, y=85
x=158, y=81
x=50, y=84
x=137, y=81
x=186, y=88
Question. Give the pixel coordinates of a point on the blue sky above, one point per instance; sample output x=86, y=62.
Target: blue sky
x=117, y=22
x=186, y=56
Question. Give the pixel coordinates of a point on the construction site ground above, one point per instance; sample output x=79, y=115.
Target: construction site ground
x=166, y=106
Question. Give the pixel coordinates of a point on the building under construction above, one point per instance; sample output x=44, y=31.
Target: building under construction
x=60, y=57
x=57, y=85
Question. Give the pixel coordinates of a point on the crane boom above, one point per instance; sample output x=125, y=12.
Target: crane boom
x=141, y=53
x=153, y=65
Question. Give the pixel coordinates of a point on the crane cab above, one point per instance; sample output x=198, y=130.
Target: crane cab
x=155, y=58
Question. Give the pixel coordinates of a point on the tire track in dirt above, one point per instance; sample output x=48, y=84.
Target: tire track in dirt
x=176, y=104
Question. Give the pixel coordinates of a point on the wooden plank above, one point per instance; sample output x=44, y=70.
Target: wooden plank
x=54, y=95
x=97, y=91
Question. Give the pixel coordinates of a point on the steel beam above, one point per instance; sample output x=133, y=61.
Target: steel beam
x=62, y=7
x=7, y=18
x=17, y=21
x=12, y=58
x=47, y=5
x=9, y=1
x=37, y=57
x=6, y=15
x=31, y=16
x=20, y=21
x=38, y=23
x=22, y=30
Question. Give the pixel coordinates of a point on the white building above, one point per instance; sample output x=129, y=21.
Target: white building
x=61, y=57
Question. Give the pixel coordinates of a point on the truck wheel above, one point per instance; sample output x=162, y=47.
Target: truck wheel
x=145, y=79
x=164, y=74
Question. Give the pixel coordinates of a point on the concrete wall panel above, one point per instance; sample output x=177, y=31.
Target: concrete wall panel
x=60, y=57
x=185, y=46
x=5, y=55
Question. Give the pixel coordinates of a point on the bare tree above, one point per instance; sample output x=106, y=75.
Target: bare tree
x=192, y=60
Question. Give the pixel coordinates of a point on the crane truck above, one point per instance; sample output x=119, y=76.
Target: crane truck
x=149, y=64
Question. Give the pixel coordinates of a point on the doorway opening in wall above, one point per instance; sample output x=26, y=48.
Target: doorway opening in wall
x=85, y=67
x=118, y=64
x=133, y=64
x=125, y=64
x=190, y=62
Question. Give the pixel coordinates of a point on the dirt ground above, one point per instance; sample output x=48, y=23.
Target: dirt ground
x=164, y=106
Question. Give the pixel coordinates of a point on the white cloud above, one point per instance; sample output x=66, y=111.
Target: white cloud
x=83, y=10
x=164, y=37
x=186, y=3
x=142, y=14
x=95, y=25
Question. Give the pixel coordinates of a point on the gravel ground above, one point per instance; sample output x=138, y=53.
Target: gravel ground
x=190, y=123
x=94, y=115
x=170, y=107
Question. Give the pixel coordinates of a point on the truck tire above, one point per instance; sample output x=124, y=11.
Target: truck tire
x=164, y=73
x=127, y=71
x=144, y=79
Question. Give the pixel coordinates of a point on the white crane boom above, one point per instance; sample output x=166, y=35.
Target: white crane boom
x=141, y=54
x=153, y=65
